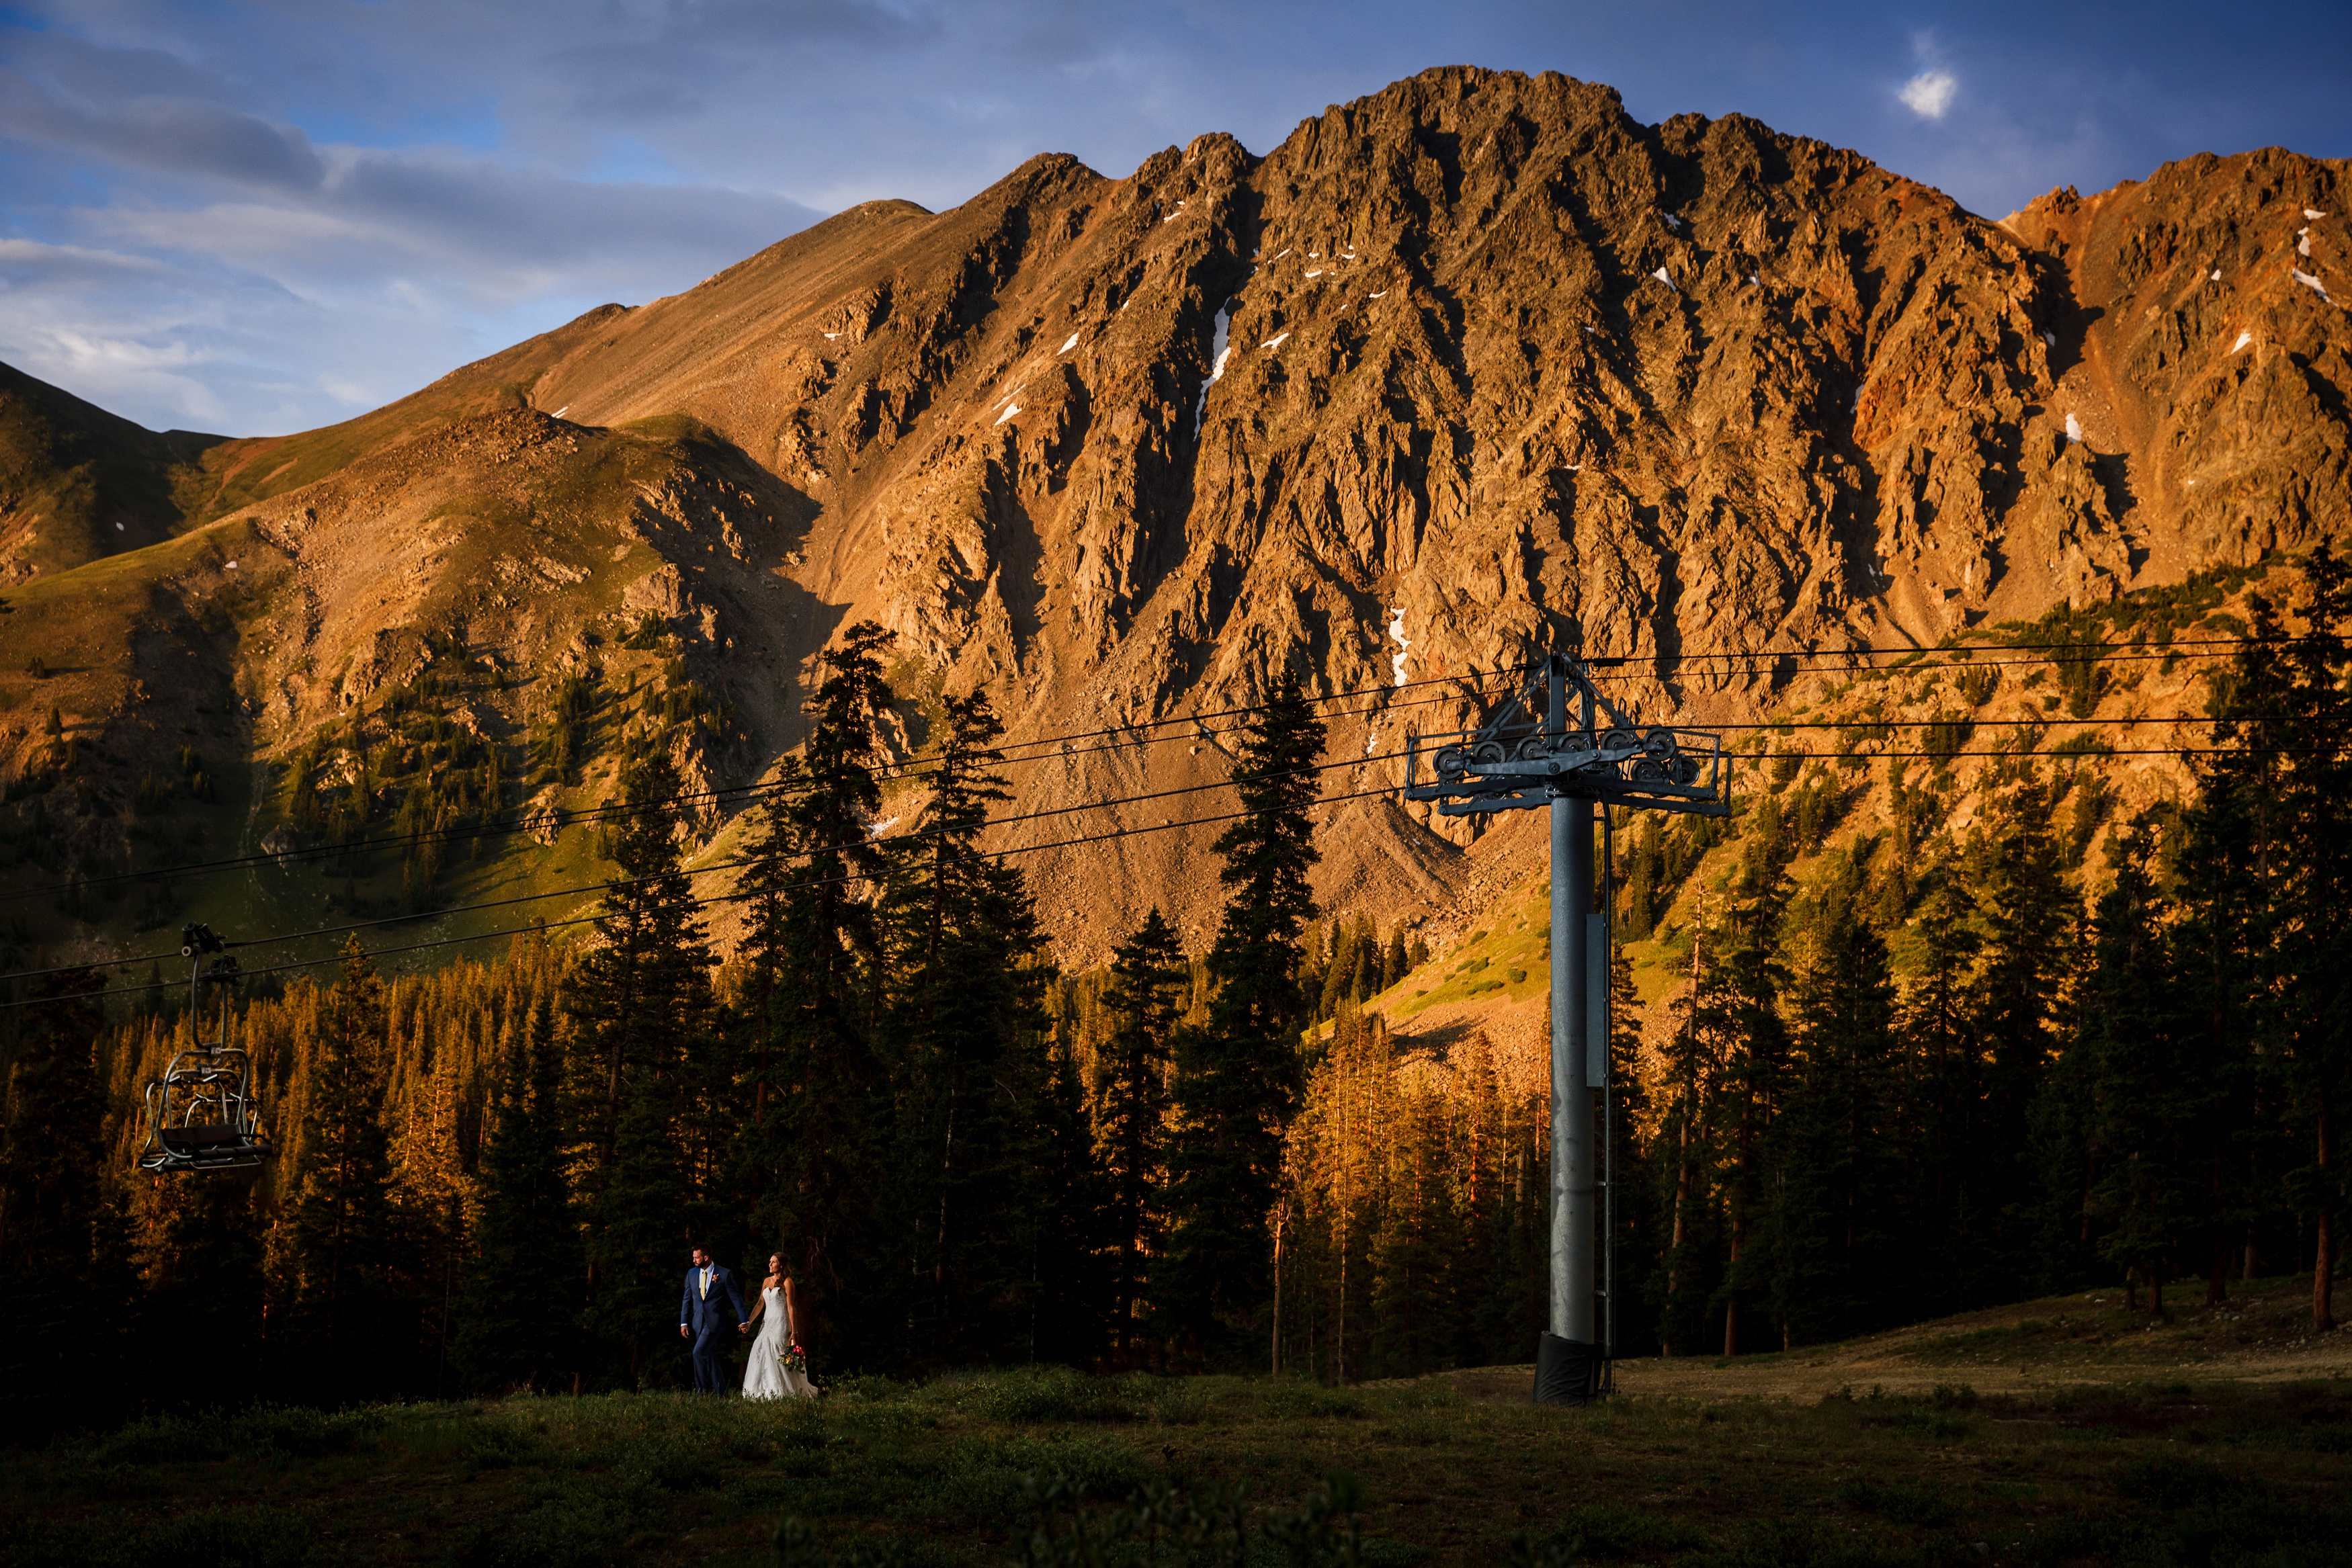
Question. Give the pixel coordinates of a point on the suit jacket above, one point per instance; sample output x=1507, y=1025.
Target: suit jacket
x=722, y=1308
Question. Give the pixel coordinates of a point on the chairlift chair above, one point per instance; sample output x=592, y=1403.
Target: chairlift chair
x=202, y=1114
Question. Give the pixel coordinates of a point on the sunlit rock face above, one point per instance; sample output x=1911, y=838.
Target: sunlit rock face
x=1461, y=370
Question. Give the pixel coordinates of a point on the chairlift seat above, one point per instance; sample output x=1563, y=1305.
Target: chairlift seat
x=183, y=1139
x=202, y=1114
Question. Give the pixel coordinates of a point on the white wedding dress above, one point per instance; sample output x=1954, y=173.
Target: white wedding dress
x=765, y=1376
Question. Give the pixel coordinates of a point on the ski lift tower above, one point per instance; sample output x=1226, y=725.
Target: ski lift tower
x=1528, y=756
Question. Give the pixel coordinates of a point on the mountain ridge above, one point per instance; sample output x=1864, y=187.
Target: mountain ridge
x=1500, y=367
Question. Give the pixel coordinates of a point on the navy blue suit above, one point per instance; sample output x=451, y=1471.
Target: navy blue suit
x=710, y=1311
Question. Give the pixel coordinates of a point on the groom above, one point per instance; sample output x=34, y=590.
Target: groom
x=712, y=1302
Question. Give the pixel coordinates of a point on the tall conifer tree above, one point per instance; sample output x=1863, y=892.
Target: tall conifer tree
x=2026, y=912
x=1740, y=1008
x=641, y=1004
x=1147, y=987
x=60, y=1246
x=640, y=1244
x=2146, y=1080
x=518, y=1326
x=1238, y=1079
x=2316, y=798
x=642, y=991
x=1837, y=1227
x=815, y=1152
x=341, y=1241
x=968, y=1029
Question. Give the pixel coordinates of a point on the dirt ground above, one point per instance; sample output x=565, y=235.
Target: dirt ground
x=2262, y=1335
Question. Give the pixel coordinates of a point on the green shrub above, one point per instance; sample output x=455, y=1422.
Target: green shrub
x=670, y=1461
x=1614, y=1530
x=986, y=1478
x=1295, y=1398
x=215, y=1538
x=1904, y=1504
x=1033, y=1396
x=288, y=1430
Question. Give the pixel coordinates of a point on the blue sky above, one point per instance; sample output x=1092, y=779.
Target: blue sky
x=254, y=218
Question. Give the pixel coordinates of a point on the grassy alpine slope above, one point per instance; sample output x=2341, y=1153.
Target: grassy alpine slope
x=2056, y=1432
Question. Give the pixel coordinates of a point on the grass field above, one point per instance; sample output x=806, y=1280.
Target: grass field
x=2052, y=1432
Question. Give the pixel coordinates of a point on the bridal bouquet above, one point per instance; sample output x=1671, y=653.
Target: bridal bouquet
x=794, y=1359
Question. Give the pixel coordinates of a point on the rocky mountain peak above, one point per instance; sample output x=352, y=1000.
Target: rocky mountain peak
x=1469, y=368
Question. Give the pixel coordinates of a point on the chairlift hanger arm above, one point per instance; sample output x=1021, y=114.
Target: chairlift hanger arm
x=1514, y=763
x=1529, y=699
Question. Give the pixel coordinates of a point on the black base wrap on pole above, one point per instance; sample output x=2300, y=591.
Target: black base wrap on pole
x=1567, y=1371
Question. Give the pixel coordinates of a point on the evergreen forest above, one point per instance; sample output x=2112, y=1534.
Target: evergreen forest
x=1922, y=1059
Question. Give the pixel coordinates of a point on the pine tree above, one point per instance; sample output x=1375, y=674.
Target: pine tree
x=340, y=1235
x=968, y=1028
x=1683, y=1169
x=2313, y=790
x=1147, y=979
x=517, y=1327
x=431, y=1189
x=1739, y=1008
x=814, y=1155
x=61, y=1245
x=641, y=1005
x=1837, y=1227
x=2026, y=912
x=2146, y=1080
x=1068, y=1237
x=1236, y=1079
x=1639, y=1234
x=2236, y=870
x=642, y=992
x=640, y=1248
x=202, y=1266
x=1416, y=1307
x=1946, y=1077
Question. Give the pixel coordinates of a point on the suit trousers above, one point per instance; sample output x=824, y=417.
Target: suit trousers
x=709, y=1363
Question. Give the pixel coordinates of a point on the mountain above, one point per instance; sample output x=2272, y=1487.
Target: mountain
x=1465, y=368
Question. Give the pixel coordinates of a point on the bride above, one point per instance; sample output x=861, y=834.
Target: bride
x=766, y=1377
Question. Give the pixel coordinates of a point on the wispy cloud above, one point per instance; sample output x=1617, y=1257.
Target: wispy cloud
x=1929, y=94
x=23, y=260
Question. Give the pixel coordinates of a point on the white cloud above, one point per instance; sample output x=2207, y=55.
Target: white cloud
x=24, y=259
x=1929, y=94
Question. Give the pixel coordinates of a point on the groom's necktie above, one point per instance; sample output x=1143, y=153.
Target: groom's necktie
x=706, y=1284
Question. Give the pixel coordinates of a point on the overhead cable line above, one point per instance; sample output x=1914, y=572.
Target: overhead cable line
x=2065, y=650
x=618, y=811
x=906, y=771
x=743, y=862
x=738, y=897
x=910, y=769
x=1768, y=724
x=904, y=839
x=2083, y=654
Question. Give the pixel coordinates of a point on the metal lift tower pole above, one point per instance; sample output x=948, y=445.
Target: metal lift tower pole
x=1518, y=762
x=1571, y=1098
